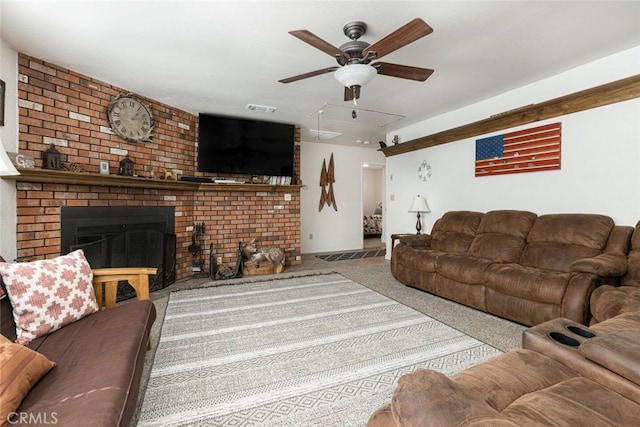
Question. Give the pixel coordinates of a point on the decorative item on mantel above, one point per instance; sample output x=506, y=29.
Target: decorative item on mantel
x=51, y=158
x=126, y=166
x=72, y=167
x=6, y=167
x=23, y=161
x=419, y=205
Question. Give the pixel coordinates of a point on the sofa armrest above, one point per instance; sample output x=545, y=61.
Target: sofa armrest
x=603, y=265
x=428, y=398
x=617, y=352
x=423, y=240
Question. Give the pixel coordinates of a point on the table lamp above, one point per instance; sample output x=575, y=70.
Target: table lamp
x=419, y=205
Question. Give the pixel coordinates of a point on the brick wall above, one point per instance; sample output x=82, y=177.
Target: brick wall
x=61, y=107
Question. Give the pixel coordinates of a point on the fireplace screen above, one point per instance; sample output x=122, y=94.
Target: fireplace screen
x=124, y=237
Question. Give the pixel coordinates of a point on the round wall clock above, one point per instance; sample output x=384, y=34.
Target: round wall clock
x=130, y=119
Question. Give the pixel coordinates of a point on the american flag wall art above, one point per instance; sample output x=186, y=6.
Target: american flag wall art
x=529, y=150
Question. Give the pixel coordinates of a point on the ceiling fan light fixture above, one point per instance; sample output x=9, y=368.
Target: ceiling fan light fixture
x=355, y=75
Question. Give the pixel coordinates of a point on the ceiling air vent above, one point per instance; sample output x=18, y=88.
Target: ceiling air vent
x=261, y=108
x=322, y=135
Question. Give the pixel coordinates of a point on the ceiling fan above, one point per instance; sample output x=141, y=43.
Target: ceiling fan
x=355, y=56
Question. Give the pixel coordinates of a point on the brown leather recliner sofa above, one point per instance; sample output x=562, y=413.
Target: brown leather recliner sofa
x=516, y=264
x=609, y=300
x=565, y=375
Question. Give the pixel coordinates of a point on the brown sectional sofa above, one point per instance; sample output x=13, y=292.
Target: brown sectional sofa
x=516, y=264
x=565, y=375
x=99, y=361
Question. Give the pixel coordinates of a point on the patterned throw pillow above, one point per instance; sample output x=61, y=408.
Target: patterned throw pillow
x=48, y=294
x=21, y=368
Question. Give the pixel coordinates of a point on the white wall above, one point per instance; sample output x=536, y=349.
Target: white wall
x=600, y=171
x=333, y=230
x=372, y=189
x=9, y=135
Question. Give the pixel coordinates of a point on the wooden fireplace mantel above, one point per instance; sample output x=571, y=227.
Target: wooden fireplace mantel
x=87, y=178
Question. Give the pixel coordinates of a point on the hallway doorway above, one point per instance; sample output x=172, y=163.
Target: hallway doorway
x=373, y=235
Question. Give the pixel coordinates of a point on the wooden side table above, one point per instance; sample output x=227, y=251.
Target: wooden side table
x=107, y=279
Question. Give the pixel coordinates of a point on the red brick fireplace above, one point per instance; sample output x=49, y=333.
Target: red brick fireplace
x=61, y=107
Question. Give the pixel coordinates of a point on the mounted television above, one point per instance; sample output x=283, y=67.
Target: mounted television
x=243, y=146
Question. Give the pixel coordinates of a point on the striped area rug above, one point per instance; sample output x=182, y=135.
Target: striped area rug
x=317, y=350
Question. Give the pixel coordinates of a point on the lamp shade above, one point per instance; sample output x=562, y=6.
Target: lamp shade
x=355, y=74
x=419, y=205
x=6, y=167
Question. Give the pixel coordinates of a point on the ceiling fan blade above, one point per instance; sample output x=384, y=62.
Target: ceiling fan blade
x=403, y=71
x=315, y=41
x=309, y=74
x=404, y=35
x=349, y=92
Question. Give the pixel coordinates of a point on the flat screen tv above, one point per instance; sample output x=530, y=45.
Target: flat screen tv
x=243, y=146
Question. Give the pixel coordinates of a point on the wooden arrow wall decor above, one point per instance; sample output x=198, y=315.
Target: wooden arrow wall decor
x=327, y=178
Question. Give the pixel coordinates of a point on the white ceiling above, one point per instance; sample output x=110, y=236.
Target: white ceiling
x=218, y=56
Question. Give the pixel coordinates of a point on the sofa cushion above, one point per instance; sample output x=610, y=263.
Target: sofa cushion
x=462, y=268
x=505, y=378
x=618, y=352
x=609, y=301
x=528, y=283
x=454, y=231
x=576, y=402
x=100, y=359
x=621, y=322
x=557, y=240
x=21, y=369
x=501, y=235
x=48, y=294
x=518, y=388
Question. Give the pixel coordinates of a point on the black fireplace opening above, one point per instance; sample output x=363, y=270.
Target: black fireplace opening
x=123, y=237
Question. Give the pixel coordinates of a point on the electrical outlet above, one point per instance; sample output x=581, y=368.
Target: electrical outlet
x=287, y=197
x=310, y=236
x=219, y=260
